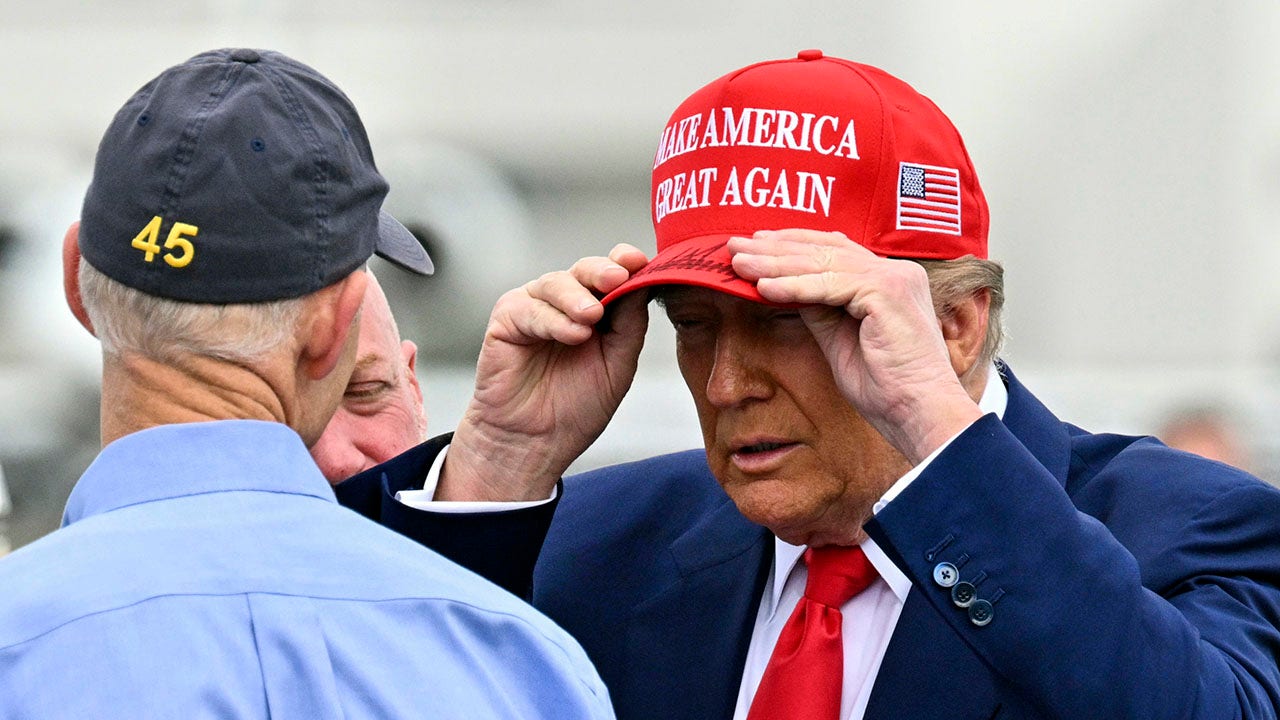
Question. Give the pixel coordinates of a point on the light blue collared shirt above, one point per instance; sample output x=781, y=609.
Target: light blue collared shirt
x=205, y=570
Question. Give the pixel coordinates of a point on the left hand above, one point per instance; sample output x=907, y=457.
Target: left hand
x=874, y=320
x=548, y=380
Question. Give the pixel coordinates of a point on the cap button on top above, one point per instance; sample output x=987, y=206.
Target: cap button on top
x=245, y=55
x=810, y=55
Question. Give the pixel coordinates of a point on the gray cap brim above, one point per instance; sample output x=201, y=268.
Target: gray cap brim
x=397, y=245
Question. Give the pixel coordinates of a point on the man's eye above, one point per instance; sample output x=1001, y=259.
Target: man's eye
x=686, y=322
x=367, y=389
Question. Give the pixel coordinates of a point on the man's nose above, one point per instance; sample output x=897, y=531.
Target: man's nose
x=337, y=455
x=738, y=372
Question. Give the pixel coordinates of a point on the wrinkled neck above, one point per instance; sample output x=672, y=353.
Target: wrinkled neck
x=141, y=392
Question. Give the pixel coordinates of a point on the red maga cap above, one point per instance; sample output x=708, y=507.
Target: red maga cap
x=811, y=142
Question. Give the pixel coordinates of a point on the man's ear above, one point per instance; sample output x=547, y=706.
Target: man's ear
x=333, y=316
x=964, y=328
x=409, y=352
x=71, y=275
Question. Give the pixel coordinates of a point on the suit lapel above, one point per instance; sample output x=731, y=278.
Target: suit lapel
x=696, y=630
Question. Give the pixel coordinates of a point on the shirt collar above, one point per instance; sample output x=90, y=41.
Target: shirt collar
x=170, y=461
x=995, y=398
x=786, y=556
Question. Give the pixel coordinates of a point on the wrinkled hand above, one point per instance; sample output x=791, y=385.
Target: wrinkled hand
x=874, y=320
x=547, y=381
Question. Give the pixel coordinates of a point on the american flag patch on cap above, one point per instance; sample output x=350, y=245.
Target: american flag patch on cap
x=928, y=198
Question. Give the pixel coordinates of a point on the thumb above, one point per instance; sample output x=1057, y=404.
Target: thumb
x=628, y=315
x=626, y=321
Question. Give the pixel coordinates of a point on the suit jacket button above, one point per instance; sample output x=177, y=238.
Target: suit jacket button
x=963, y=593
x=981, y=612
x=945, y=574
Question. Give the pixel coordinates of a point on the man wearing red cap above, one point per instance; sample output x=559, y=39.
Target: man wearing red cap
x=884, y=522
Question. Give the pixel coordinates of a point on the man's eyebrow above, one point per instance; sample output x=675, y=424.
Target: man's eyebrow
x=366, y=361
x=670, y=293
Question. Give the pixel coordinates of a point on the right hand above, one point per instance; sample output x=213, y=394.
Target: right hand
x=547, y=382
x=874, y=319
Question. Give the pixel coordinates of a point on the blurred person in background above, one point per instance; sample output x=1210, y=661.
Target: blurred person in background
x=204, y=568
x=1207, y=432
x=884, y=522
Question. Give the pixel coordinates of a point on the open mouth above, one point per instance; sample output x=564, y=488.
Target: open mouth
x=762, y=457
x=760, y=447
x=759, y=451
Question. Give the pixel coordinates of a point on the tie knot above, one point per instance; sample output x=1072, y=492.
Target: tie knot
x=836, y=574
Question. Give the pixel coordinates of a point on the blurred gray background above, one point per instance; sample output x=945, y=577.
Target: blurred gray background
x=1128, y=149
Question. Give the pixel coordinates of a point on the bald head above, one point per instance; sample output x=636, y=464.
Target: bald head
x=381, y=414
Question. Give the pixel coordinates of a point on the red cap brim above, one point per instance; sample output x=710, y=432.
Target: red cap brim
x=700, y=261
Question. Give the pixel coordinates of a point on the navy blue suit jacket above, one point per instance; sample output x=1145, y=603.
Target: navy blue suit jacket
x=1126, y=580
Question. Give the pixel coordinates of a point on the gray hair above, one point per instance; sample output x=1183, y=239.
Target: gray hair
x=128, y=321
x=951, y=281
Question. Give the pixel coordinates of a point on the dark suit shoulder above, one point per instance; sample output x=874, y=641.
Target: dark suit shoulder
x=1155, y=500
x=654, y=500
x=1149, y=460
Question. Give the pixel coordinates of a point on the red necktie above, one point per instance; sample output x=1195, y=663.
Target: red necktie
x=805, y=674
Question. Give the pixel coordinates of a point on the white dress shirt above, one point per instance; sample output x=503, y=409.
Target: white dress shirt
x=869, y=618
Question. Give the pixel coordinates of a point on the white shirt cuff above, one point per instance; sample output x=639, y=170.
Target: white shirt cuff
x=906, y=480
x=424, y=499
